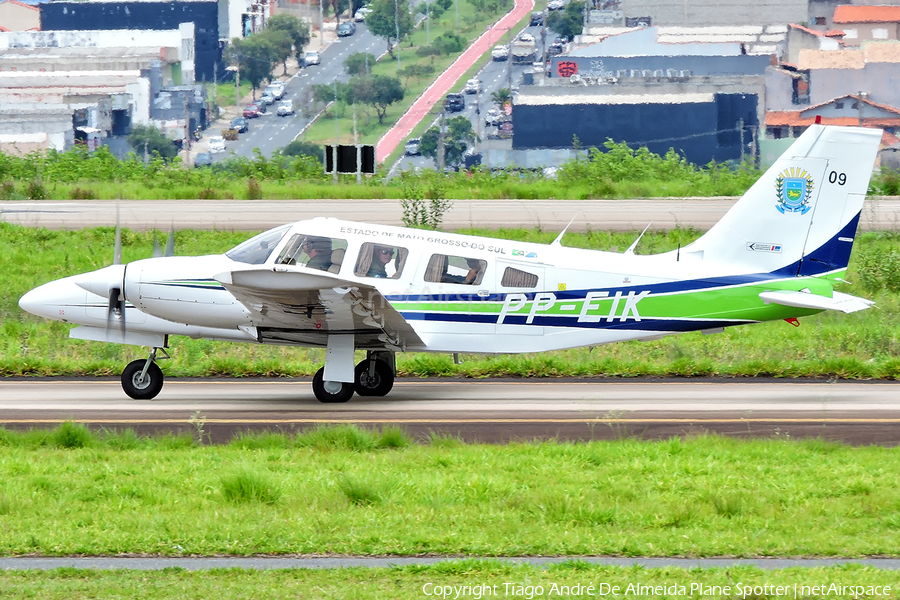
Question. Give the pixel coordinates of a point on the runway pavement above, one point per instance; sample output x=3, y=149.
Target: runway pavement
x=257, y=215
x=488, y=411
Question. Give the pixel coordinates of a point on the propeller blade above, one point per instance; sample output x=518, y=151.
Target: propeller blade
x=117, y=254
x=170, y=243
x=157, y=251
x=115, y=310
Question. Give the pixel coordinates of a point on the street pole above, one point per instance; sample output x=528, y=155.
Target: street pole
x=397, y=25
x=440, y=148
x=334, y=151
x=187, y=131
x=237, y=86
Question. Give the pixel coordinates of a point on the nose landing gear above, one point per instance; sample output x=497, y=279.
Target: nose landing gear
x=143, y=379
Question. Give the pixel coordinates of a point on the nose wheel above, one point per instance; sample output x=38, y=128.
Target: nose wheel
x=143, y=379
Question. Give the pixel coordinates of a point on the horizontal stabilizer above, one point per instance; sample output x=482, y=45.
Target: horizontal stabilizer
x=842, y=302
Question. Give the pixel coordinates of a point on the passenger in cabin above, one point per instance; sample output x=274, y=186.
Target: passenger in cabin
x=474, y=271
x=380, y=258
x=319, y=251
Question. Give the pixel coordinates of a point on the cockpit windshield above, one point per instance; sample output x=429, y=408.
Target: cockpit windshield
x=256, y=250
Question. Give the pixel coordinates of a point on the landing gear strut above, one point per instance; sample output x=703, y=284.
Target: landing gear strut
x=143, y=379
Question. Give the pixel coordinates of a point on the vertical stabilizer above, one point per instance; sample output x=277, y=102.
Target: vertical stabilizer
x=800, y=217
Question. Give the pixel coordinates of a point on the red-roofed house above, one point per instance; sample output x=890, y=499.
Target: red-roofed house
x=846, y=110
x=861, y=23
x=18, y=16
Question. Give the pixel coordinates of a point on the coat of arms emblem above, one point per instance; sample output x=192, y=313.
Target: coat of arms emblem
x=794, y=188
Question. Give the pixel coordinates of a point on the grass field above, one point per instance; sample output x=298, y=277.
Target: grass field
x=349, y=491
x=470, y=580
x=858, y=346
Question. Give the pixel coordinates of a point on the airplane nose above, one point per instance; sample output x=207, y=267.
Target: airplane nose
x=41, y=301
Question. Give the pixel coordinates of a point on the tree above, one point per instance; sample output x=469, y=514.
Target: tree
x=297, y=29
x=385, y=19
x=385, y=91
x=282, y=45
x=458, y=137
x=449, y=43
x=415, y=72
x=302, y=148
x=149, y=139
x=569, y=22
x=501, y=96
x=255, y=56
x=359, y=64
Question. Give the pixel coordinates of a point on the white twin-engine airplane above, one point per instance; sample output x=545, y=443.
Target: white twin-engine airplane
x=348, y=286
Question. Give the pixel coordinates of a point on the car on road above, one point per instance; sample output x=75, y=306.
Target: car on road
x=346, y=29
x=472, y=86
x=203, y=159
x=455, y=103
x=216, y=144
x=361, y=13
x=493, y=117
x=555, y=49
x=275, y=89
x=285, y=108
x=241, y=124
x=412, y=147
x=499, y=53
x=526, y=37
x=267, y=99
x=537, y=18
x=252, y=111
x=311, y=58
x=556, y=5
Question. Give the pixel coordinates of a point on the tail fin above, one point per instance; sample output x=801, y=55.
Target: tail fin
x=800, y=217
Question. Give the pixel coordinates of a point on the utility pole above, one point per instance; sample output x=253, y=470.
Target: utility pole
x=741, y=128
x=358, y=149
x=187, y=130
x=334, y=151
x=440, y=148
x=397, y=25
x=237, y=86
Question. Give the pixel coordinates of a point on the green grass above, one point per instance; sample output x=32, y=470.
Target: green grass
x=501, y=580
x=295, y=494
x=859, y=346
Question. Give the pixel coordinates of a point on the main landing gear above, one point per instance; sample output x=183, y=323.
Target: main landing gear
x=143, y=379
x=373, y=376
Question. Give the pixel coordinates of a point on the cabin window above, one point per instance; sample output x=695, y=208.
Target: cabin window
x=455, y=269
x=380, y=260
x=519, y=279
x=256, y=250
x=821, y=21
x=314, y=252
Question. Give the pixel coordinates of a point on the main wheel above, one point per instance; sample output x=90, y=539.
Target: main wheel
x=142, y=389
x=377, y=384
x=330, y=391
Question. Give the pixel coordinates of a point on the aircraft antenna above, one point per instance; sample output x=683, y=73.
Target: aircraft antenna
x=631, y=248
x=558, y=240
x=678, y=254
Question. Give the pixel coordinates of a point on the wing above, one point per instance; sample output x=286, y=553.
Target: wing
x=842, y=302
x=302, y=306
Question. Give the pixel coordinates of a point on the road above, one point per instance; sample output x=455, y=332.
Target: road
x=488, y=411
x=270, y=132
x=881, y=214
x=494, y=76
